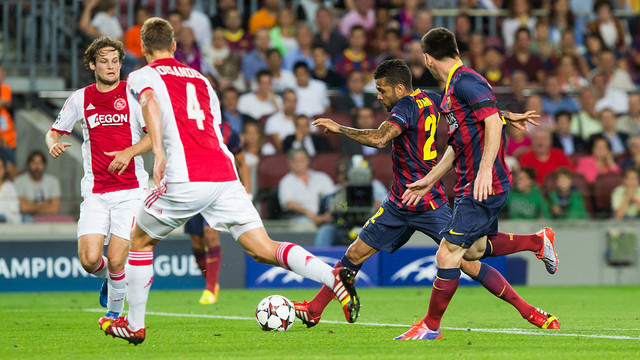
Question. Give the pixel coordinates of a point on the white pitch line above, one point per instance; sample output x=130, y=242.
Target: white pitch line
x=496, y=331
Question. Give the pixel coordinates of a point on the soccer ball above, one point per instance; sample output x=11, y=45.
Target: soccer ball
x=275, y=313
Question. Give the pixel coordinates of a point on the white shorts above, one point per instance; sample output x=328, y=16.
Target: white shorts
x=110, y=213
x=225, y=205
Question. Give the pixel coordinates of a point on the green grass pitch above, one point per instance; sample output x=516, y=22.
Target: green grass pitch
x=596, y=323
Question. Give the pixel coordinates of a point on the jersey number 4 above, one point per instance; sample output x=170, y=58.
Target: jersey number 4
x=193, y=106
x=430, y=125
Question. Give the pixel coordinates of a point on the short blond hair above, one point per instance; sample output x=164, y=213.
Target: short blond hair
x=157, y=35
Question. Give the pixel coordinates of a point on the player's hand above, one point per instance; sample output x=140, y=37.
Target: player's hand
x=58, y=148
x=519, y=121
x=482, y=186
x=158, y=170
x=331, y=127
x=120, y=161
x=416, y=191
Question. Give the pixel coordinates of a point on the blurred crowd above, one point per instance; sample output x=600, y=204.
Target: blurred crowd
x=277, y=69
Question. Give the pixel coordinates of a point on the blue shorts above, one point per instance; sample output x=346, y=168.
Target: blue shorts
x=473, y=219
x=391, y=227
x=195, y=226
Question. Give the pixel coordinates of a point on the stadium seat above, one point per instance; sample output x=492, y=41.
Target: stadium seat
x=326, y=162
x=382, y=167
x=334, y=140
x=271, y=169
x=575, y=157
x=602, y=189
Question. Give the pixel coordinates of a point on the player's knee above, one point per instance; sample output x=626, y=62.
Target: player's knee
x=116, y=262
x=353, y=256
x=261, y=255
x=89, y=261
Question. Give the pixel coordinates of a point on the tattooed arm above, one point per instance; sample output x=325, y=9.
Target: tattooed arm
x=377, y=138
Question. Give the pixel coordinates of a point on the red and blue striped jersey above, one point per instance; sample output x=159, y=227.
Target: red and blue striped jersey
x=230, y=138
x=469, y=99
x=414, y=150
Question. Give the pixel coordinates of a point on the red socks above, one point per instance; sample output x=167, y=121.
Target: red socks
x=505, y=244
x=213, y=260
x=493, y=281
x=444, y=287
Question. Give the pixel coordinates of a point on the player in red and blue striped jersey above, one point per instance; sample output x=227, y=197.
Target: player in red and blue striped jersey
x=476, y=151
x=411, y=127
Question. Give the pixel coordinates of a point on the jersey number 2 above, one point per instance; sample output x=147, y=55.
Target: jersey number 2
x=430, y=125
x=193, y=107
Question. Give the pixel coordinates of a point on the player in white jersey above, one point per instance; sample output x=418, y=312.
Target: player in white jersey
x=114, y=184
x=198, y=175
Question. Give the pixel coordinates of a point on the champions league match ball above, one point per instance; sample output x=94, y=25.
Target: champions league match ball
x=275, y=313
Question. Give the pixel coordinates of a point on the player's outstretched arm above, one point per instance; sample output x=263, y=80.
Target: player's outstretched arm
x=55, y=148
x=482, y=186
x=377, y=138
x=519, y=121
x=151, y=115
x=122, y=158
x=417, y=190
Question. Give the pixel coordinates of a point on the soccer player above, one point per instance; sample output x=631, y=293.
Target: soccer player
x=477, y=151
x=182, y=114
x=411, y=126
x=205, y=241
x=114, y=184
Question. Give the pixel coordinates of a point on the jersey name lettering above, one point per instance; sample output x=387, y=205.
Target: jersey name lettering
x=177, y=71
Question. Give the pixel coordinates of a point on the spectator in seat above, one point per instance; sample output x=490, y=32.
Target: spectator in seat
x=301, y=190
x=283, y=35
x=614, y=76
x=364, y=119
x=612, y=30
x=542, y=156
x=585, y=123
x=222, y=8
x=188, y=53
x=225, y=62
x=495, y=72
x=104, y=22
x=518, y=142
x=9, y=204
x=609, y=98
x=266, y=17
x=634, y=154
x=519, y=16
x=239, y=41
x=554, y=100
x=256, y=60
x=355, y=97
x=563, y=138
x=281, y=78
x=515, y=99
x=568, y=74
x=566, y=200
x=263, y=101
x=281, y=124
x=304, y=139
x=599, y=162
x=39, y=193
x=230, y=113
x=525, y=201
x=420, y=76
x=133, y=58
x=625, y=199
x=421, y=25
x=475, y=56
x=312, y=94
x=535, y=103
x=303, y=50
x=362, y=15
x=196, y=20
x=7, y=128
x=323, y=73
x=617, y=140
x=629, y=123
x=355, y=57
x=392, y=46
x=254, y=146
x=328, y=36
x=523, y=59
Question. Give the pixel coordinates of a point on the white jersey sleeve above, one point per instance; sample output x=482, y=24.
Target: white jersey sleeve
x=71, y=113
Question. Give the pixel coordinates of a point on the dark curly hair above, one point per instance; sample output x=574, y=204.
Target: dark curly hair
x=93, y=51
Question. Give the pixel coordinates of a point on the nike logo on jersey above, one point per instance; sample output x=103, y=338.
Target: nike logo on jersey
x=90, y=107
x=455, y=233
